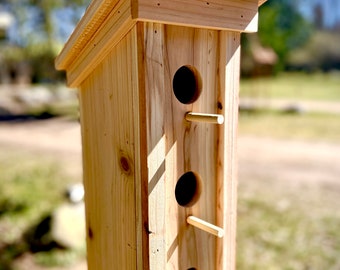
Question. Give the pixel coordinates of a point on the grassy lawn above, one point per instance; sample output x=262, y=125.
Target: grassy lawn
x=282, y=226
x=304, y=126
x=298, y=86
x=32, y=186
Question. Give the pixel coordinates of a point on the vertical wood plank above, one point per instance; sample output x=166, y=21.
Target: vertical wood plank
x=153, y=71
x=227, y=170
x=109, y=102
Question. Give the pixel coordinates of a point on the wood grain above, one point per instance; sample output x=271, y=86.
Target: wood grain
x=112, y=165
x=213, y=14
x=176, y=146
x=89, y=24
x=113, y=29
x=227, y=144
x=137, y=143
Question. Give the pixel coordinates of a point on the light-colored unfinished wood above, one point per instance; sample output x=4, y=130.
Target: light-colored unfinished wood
x=92, y=20
x=213, y=14
x=113, y=29
x=205, y=226
x=205, y=118
x=137, y=145
x=113, y=170
x=176, y=146
x=227, y=144
x=261, y=2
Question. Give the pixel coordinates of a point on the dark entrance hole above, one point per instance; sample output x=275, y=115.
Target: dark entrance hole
x=188, y=189
x=187, y=84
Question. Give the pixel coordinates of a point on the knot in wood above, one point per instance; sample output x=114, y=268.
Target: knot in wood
x=125, y=164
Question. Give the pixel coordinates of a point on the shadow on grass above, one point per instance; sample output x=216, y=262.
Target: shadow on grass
x=43, y=115
x=36, y=239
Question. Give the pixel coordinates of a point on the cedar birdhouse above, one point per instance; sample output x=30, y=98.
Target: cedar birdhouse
x=158, y=87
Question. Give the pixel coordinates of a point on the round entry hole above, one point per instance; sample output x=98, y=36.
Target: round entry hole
x=187, y=84
x=188, y=189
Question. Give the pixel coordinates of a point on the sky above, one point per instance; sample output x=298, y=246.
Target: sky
x=63, y=18
x=331, y=10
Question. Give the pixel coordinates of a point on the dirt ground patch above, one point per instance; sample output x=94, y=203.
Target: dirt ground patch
x=287, y=161
x=58, y=138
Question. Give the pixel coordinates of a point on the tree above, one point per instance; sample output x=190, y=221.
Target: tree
x=38, y=32
x=36, y=20
x=282, y=28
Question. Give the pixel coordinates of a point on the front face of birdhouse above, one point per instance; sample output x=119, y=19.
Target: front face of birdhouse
x=184, y=76
x=159, y=111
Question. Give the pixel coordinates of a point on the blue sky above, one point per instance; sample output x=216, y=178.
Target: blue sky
x=331, y=10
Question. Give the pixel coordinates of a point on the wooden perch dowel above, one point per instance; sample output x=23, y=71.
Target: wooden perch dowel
x=205, y=117
x=205, y=226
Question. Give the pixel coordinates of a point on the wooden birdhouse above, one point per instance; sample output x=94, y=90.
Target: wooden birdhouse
x=158, y=87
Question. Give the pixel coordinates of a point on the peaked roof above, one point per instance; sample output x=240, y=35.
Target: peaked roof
x=105, y=22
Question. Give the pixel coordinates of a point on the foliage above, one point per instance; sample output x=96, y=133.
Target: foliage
x=40, y=28
x=322, y=52
x=36, y=22
x=282, y=28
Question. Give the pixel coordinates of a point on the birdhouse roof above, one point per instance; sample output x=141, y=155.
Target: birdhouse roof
x=105, y=22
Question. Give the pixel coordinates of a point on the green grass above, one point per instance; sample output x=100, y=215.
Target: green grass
x=297, y=86
x=304, y=126
x=31, y=186
x=282, y=228
x=60, y=258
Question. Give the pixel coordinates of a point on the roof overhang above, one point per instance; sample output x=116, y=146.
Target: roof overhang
x=106, y=22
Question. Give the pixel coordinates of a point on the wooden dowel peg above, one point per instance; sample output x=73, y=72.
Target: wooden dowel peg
x=205, y=117
x=205, y=226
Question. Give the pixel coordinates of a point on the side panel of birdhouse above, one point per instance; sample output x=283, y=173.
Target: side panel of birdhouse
x=177, y=147
x=110, y=118
x=229, y=67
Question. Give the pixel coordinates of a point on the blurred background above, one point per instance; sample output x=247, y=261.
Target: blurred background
x=289, y=139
